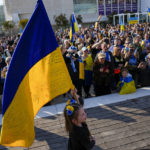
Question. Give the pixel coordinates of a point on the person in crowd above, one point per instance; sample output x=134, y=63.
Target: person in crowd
x=7, y=51
x=107, y=53
x=132, y=56
x=126, y=83
x=95, y=49
x=88, y=67
x=147, y=59
x=145, y=53
x=137, y=45
x=143, y=74
x=73, y=64
x=116, y=43
x=125, y=50
x=131, y=61
x=118, y=63
x=145, y=42
x=66, y=43
x=80, y=137
x=4, y=73
x=5, y=69
x=102, y=75
x=2, y=63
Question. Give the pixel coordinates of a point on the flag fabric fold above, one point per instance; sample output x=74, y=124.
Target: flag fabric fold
x=37, y=74
x=73, y=27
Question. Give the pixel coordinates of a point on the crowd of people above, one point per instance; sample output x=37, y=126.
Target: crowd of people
x=108, y=54
x=7, y=47
x=114, y=60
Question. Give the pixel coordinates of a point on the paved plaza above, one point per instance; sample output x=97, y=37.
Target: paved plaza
x=118, y=126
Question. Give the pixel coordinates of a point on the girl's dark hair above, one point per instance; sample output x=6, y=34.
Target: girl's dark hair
x=68, y=118
x=124, y=69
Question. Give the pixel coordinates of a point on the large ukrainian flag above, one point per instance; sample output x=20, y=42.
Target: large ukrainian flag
x=74, y=27
x=36, y=75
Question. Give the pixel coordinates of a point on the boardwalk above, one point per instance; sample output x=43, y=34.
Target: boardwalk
x=119, y=126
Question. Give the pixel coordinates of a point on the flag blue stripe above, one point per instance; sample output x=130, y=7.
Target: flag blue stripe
x=28, y=53
x=73, y=27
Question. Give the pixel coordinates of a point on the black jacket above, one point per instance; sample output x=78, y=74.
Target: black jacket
x=79, y=138
x=102, y=78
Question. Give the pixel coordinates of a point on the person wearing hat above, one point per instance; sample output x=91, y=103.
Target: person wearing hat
x=102, y=75
x=72, y=62
x=88, y=70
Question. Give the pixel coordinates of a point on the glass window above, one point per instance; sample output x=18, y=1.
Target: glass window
x=108, y=2
x=85, y=6
x=2, y=17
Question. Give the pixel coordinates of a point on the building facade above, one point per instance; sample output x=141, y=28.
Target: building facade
x=89, y=9
x=2, y=16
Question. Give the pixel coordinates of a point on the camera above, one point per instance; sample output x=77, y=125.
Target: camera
x=106, y=41
x=131, y=50
x=75, y=55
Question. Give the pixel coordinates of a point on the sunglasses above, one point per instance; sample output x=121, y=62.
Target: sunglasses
x=86, y=51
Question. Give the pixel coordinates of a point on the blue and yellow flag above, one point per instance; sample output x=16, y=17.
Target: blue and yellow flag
x=36, y=75
x=121, y=25
x=97, y=22
x=81, y=69
x=127, y=85
x=73, y=28
x=149, y=11
x=133, y=20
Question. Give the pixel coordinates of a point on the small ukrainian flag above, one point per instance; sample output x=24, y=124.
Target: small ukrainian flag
x=149, y=11
x=74, y=27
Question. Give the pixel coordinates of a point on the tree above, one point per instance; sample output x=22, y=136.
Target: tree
x=61, y=20
x=22, y=23
x=79, y=19
x=110, y=18
x=8, y=25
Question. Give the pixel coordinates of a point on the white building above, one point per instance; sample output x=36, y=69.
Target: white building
x=89, y=9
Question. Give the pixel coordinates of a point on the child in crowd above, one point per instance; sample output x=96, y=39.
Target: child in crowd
x=79, y=134
x=126, y=83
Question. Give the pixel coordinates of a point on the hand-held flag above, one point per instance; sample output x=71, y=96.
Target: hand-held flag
x=74, y=27
x=36, y=75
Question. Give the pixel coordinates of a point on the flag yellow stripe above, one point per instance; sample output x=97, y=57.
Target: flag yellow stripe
x=81, y=70
x=76, y=27
x=47, y=79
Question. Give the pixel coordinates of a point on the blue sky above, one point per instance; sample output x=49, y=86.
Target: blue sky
x=0, y=2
